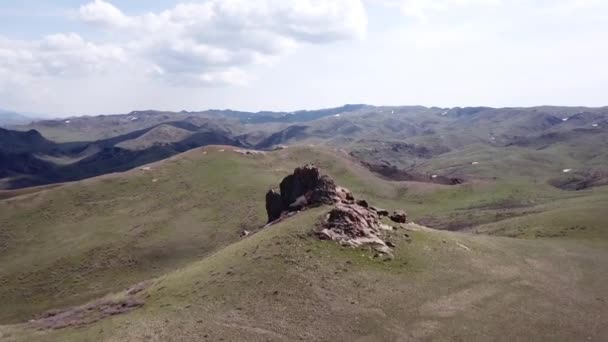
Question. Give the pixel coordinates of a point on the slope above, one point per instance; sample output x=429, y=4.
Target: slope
x=281, y=284
x=180, y=221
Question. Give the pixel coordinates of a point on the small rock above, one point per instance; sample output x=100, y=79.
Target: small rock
x=245, y=233
x=390, y=244
x=399, y=216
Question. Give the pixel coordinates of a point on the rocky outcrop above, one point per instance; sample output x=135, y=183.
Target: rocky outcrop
x=306, y=187
x=354, y=225
x=351, y=222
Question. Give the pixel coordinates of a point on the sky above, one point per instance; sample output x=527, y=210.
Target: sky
x=71, y=57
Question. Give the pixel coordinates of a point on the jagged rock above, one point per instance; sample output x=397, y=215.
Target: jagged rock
x=399, y=216
x=354, y=225
x=306, y=187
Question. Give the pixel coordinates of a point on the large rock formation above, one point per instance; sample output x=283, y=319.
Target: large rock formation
x=351, y=223
x=306, y=187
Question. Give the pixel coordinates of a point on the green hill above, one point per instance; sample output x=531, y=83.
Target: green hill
x=534, y=269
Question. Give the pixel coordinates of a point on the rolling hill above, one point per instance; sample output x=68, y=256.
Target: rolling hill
x=412, y=141
x=158, y=255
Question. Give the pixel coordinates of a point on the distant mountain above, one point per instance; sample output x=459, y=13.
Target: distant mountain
x=28, y=159
x=405, y=140
x=284, y=117
x=20, y=142
x=8, y=118
x=107, y=126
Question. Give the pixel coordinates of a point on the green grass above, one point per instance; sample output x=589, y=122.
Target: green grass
x=78, y=242
x=282, y=284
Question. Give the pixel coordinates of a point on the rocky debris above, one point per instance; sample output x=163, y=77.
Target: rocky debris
x=354, y=225
x=399, y=216
x=379, y=211
x=306, y=187
x=245, y=233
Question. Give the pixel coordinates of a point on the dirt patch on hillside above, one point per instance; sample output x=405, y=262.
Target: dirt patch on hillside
x=393, y=173
x=581, y=180
x=469, y=219
x=91, y=312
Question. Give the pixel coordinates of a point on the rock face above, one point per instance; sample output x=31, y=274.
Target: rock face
x=354, y=225
x=274, y=205
x=306, y=187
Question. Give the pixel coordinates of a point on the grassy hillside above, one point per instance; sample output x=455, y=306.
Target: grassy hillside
x=281, y=284
x=179, y=223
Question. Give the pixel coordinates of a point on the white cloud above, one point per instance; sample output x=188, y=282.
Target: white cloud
x=425, y=36
x=212, y=41
x=58, y=54
x=103, y=13
x=194, y=44
x=568, y=6
x=421, y=8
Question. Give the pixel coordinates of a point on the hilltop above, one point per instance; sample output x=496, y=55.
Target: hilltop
x=172, y=234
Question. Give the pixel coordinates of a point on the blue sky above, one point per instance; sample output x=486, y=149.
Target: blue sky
x=71, y=57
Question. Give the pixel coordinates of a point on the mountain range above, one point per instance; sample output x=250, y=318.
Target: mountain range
x=13, y=118
x=400, y=143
